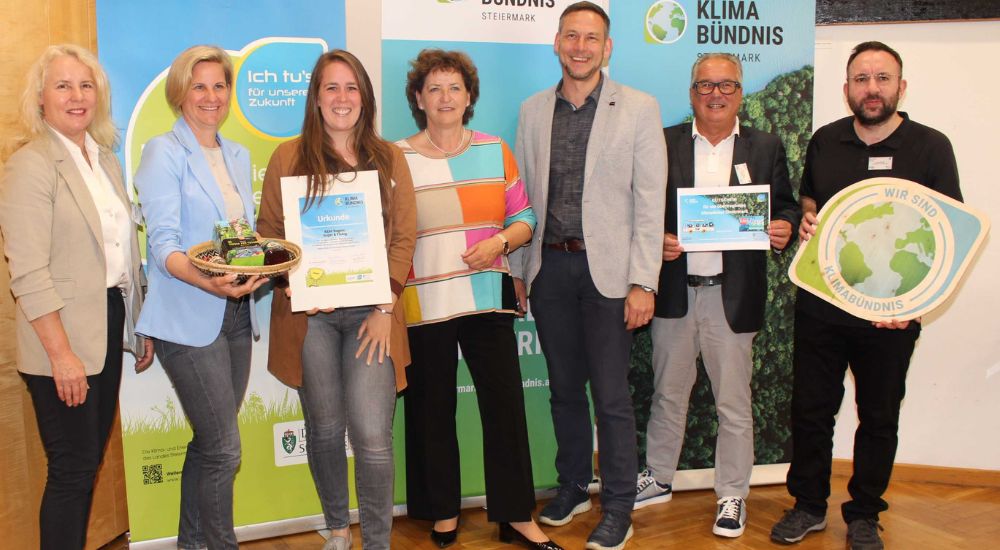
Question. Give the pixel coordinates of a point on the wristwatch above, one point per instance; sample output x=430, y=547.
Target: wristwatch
x=506, y=243
x=646, y=288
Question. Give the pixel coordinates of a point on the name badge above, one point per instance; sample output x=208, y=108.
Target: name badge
x=742, y=173
x=880, y=163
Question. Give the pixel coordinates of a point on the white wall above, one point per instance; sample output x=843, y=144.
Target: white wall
x=364, y=40
x=951, y=415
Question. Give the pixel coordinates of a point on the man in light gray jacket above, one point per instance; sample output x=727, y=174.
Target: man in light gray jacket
x=594, y=160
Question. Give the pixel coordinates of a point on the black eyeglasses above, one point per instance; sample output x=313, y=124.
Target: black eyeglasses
x=726, y=87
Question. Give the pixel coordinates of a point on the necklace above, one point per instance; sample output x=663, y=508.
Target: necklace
x=447, y=154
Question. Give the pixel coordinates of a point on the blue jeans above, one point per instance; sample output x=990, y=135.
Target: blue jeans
x=340, y=392
x=210, y=382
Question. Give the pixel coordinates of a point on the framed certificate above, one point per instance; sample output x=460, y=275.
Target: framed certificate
x=723, y=218
x=344, y=259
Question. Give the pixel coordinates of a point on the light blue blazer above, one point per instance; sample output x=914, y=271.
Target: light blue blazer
x=181, y=202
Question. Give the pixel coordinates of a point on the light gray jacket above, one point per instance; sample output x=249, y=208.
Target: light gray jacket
x=55, y=250
x=624, y=187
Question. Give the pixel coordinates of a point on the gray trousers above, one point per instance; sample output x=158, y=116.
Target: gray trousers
x=729, y=363
x=210, y=382
x=340, y=394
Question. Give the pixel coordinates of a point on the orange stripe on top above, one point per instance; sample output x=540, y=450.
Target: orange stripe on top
x=482, y=203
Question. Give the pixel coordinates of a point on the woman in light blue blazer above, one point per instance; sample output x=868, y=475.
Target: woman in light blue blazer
x=202, y=326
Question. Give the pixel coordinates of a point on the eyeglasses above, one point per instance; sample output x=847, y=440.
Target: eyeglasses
x=726, y=87
x=881, y=79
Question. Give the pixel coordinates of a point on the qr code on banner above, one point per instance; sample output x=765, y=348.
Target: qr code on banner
x=152, y=473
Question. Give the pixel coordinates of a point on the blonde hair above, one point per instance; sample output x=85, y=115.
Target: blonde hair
x=182, y=69
x=102, y=128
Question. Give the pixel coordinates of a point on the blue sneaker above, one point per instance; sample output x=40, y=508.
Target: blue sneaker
x=568, y=502
x=731, y=518
x=649, y=491
x=613, y=531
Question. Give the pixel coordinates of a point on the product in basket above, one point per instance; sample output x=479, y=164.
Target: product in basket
x=237, y=244
x=212, y=255
x=275, y=253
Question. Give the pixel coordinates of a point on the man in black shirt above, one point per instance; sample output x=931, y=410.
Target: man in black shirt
x=876, y=141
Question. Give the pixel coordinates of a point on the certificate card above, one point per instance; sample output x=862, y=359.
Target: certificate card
x=723, y=218
x=344, y=260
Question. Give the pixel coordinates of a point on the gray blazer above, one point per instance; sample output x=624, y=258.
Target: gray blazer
x=624, y=187
x=55, y=251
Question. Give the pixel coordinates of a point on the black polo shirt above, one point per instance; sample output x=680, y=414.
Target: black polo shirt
x=837, y=158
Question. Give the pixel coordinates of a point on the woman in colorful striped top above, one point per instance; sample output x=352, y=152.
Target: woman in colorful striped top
x=472, y=210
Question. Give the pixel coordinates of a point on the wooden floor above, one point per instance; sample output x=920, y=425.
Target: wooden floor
x=922, y=516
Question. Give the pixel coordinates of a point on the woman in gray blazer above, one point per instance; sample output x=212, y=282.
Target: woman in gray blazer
x=71, y=246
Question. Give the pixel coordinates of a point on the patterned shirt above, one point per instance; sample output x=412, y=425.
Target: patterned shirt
x=571, y=127
x=462, y=200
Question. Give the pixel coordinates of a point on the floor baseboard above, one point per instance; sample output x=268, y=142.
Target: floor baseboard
x=968, y=477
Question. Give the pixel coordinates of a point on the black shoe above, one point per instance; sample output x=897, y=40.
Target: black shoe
x=444, y=539
x=612, y=532
x=568, y=502
x=509, y=535
x=795, y=525
x=862, y=534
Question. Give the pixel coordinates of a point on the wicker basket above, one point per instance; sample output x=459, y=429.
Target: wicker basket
x=214, y=269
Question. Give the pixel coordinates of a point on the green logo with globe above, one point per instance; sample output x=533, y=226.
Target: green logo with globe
x=885, y=249
x=665, y=23
x=888, y=248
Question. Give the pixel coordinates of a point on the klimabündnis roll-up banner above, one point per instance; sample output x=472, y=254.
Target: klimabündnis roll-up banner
x=273, y=46
x=655, y=44
x=511, y=46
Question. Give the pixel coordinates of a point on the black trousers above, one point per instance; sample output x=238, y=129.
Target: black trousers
x=878, y=359
x=433, y=473
x=584, y=339
x=74, y=440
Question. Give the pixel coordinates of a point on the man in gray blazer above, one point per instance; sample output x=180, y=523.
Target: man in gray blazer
x=594, y=160
x=712, y=303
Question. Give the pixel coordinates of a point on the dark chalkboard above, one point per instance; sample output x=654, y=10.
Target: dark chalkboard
x=871, y=11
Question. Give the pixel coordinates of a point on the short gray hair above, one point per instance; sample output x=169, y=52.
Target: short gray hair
x=718, y=55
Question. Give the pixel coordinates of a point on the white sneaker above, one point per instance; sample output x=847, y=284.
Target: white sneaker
x=338, y=542
x=731, y=519
x=648, y=491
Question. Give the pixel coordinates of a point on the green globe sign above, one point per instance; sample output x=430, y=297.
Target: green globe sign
x=885, y=249
x=888, y=248
x=665, y=22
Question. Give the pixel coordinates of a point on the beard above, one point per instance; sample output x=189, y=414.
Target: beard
x=585, y=75
x=867, y=118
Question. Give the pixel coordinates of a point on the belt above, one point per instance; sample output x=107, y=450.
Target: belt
x=702, y=280
x=569, y=245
